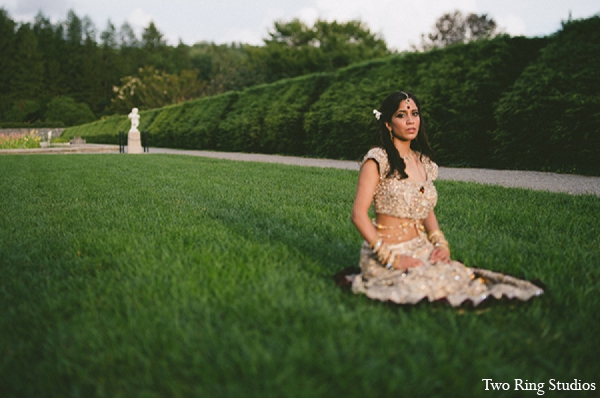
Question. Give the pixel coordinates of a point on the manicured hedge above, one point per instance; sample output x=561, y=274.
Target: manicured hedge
x=457, y=87
x=501, y=103
x=270, y=118
x=267, y=118
x=104, y=131
x=550, y=118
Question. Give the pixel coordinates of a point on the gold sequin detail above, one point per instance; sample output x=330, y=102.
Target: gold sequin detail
x=403, y=198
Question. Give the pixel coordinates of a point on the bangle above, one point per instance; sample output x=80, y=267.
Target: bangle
x=438, y=239
x=374, y=241
x=435, y=236
x=383, y=252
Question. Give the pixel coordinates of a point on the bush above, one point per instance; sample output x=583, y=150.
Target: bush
x=65, y=110
x=269, y=118
x=23, y=111
x=20, y=141
x=105, y=131
x=457, y=86
x=549, y=118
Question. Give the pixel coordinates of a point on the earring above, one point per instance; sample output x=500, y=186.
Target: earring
x=391, y=135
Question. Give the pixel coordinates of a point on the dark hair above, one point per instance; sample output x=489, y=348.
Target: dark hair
x=421, y=144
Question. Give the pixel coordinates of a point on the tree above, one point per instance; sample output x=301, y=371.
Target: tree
x=456, y=28
x=28, y=78
x=152, y=88
x=295, y=49
x=109, y=36
x=7, y=49
x=65, y=110
x=127, y=37
x=152, y=38
x=155, y=50
x=74, y=28
x=227, y=67
x=51, y=45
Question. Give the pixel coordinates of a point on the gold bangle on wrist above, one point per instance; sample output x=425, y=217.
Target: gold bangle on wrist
x=438, y=239
x=374, y=241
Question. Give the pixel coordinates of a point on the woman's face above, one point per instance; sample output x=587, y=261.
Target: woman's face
x=405, y=121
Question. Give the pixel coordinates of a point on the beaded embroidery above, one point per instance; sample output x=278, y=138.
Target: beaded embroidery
x=403, y=198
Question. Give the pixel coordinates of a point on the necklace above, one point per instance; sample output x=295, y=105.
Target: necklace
x=407, y=157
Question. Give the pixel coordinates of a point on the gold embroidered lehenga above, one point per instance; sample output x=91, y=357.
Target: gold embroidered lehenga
x=451, y=281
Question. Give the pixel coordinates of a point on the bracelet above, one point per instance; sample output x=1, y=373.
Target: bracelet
x=438, y=239
x=374, y=241
x=435, y=236
x=383, y=253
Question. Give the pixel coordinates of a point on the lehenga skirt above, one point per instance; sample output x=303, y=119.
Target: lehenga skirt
x=452, y=281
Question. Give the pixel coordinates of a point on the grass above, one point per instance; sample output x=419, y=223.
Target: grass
x=174, y=276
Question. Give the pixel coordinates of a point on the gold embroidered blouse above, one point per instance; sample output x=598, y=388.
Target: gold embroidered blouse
x=403, y=198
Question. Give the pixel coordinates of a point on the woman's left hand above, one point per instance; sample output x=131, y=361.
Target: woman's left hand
x=440, y=254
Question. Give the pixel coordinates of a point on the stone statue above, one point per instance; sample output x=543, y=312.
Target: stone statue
x=135, y=119
x=134, y=142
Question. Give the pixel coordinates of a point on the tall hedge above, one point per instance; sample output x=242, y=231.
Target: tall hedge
x=500, y=103
x=270, y=118
x=104, y=131
x=192, y=124
x=550, y=118
x=458, y=88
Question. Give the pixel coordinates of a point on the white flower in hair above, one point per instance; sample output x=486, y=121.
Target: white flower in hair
x=377, y=114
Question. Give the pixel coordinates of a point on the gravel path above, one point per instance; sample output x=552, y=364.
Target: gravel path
x=554, y=182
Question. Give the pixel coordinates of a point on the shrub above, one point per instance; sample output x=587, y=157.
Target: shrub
x=549, y=118
x=65, y=110
x=269, y=118
x=23, y=111
x=457, y=86
x=20, y=141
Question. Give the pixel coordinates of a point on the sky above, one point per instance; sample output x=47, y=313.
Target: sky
x=399, y=22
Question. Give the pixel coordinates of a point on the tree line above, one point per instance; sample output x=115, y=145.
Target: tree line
x=70, y=72
x=507, y=102
x=47, y=67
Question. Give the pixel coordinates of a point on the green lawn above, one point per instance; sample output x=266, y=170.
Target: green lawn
x=172, y=276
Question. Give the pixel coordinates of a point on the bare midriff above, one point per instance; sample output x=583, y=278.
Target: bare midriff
x=397, y=230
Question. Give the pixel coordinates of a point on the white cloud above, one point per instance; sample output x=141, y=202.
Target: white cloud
x=139, y=19
x=511, y=24
x=26, y=10
x=308, y=15
x=256, y=34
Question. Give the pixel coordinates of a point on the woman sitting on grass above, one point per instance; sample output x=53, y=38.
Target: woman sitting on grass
x=405, y=257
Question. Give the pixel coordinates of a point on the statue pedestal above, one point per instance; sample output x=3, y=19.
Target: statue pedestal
x=134, y=142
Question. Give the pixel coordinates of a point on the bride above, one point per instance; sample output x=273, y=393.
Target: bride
x=405, y=257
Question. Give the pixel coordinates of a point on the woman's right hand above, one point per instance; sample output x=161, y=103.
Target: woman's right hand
x=406, y=262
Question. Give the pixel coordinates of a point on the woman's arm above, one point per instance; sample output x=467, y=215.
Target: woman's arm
x=440, y=253
x=367, y=183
